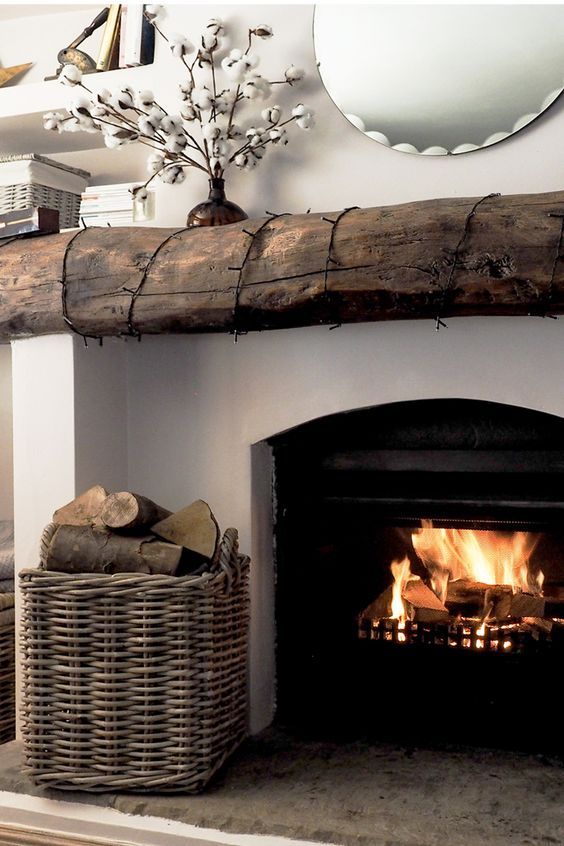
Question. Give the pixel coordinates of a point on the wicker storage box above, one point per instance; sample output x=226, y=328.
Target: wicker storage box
x=34, y=180
x=134, y=682
x=7, y=669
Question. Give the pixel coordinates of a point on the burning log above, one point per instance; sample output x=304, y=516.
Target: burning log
x=423, y=605
x=466, y=598
x=380, y=608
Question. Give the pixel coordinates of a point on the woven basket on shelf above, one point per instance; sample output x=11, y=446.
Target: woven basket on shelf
x=134, y=682
x=14, y=197
x=7, y=669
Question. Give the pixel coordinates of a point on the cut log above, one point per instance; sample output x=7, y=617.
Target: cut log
x=194, y=527
x=539, y=624
x=126, y=512
x=381, y=607
x=83, y=549
x=390, y=263
x=423, y=605
x=82, y=511
x=466, y=598
x=526, y=605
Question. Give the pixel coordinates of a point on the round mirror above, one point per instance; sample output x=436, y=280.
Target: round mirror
x=440, y=79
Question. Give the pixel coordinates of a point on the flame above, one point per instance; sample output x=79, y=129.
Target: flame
x=401, y=571
x=490, y=557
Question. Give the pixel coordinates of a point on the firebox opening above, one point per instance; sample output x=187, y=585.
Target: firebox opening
x=420, y=574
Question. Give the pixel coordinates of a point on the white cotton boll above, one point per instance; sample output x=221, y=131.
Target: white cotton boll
x=155, y=162
x=99, y=112
x=254, y=135
x=306, y=122
x=144, y=99
x=172, y=175
x=112, y=142
x=171, y=123
x=154, y=12
x=179, y=45
x=272, y=114
x=70, y=75
x=210, y=41
x=202, y=98
x=53, y=121
x=263, y=31
x=146, y=127
x=218, y=163
x=72, y=125
x=127, y=97
x=188, y=112
x=186, y=89
x=176, y=143
x=234, y=69
x=156, y=115
x=139, y=194
x=80, y=105
x=251, y=60
x=241, y=160
x=278, y=136
x=256, y=86
x=211, y=131
x=221, y=148
x=221, y=105
x=215, y=26
x=104, y=96
x=294, y=74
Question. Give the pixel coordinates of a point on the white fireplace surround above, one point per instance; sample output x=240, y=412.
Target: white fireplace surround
x=178, y=418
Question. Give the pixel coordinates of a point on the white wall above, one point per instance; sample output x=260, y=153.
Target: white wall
x=6, y=447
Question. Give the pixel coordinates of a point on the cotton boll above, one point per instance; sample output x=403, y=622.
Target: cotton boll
x=272, y=114
x=70, y=75
x=294, y=74
x=263, y=31
x=176, y=143
x=155, y=162
x=188, y=112
x=53, y=121
x=112, y=142
x=202, y=98
x=144, y=99
x=80, y=106
x=103, y=96
x=215, y=26
x=306, y=122
x=186, y=89
x=146, y=127
x=154, y=12
x=172, y=175
x=278, y=136
x=211, y=131
x=180, y=46
x=171, y=124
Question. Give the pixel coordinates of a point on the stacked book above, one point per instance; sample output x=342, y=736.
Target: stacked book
x=128, y=39
x=107, y=205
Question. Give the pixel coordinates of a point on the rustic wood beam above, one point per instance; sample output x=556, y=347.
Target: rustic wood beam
x=432, y=259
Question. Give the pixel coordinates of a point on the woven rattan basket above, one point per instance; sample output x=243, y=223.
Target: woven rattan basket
x=7, y=668
x=134, y=682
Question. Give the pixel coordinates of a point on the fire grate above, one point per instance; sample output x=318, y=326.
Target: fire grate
x=509, y=638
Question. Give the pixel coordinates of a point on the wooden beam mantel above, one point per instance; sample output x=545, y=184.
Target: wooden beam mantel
x=432, y=259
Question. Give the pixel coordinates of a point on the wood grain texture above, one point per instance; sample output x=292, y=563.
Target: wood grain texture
x=417, y=260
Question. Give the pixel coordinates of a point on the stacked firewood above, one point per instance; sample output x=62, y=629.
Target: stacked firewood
x=125, y=532
x=466, y=599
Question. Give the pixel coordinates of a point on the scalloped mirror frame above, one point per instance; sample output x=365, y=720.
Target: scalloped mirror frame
x=334, y=85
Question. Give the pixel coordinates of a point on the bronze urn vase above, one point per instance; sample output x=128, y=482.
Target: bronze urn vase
x=216, y=210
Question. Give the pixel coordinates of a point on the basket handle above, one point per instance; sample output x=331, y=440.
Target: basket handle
x=227, y=559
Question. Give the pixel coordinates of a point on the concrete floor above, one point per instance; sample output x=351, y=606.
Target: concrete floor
x=357, y=794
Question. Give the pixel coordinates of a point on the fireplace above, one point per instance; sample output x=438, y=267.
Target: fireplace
x=420, y=565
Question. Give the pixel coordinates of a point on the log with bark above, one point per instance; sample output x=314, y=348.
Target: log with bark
x=84, y=549
x=423, y=259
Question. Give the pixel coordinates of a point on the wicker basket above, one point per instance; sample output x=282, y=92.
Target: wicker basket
x=41, y=182
x=7, y=669
x=134, y=682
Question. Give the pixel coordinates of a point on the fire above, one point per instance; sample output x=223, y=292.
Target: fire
x=492, y=558
x=401, y=571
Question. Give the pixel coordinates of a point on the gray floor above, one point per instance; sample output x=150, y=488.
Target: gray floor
x=377, y=795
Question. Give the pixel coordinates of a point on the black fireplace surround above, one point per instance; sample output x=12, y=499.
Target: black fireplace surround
x=347, y=487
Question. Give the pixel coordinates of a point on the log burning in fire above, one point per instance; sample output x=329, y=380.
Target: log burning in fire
x=476, y=581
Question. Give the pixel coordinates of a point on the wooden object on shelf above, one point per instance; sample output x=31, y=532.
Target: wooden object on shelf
x=389, y=264
x=125, y=511
x=194, y=527
x=84, y=510
x=7, y=74
x=86, y=549
x=33, y=220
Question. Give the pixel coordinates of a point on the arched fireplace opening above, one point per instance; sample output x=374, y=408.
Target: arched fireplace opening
x=420, y=573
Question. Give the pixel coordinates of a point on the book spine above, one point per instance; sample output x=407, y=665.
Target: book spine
x=123, y=35
x=147, y=42
x=132, y=40
x=108, y=39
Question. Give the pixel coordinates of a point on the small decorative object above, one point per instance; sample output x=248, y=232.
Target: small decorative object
x=31, y=221
x=7, y=74
x=207, y=105
x=72, y=56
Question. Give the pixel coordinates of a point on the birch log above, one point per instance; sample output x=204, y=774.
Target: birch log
x=418, y=260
